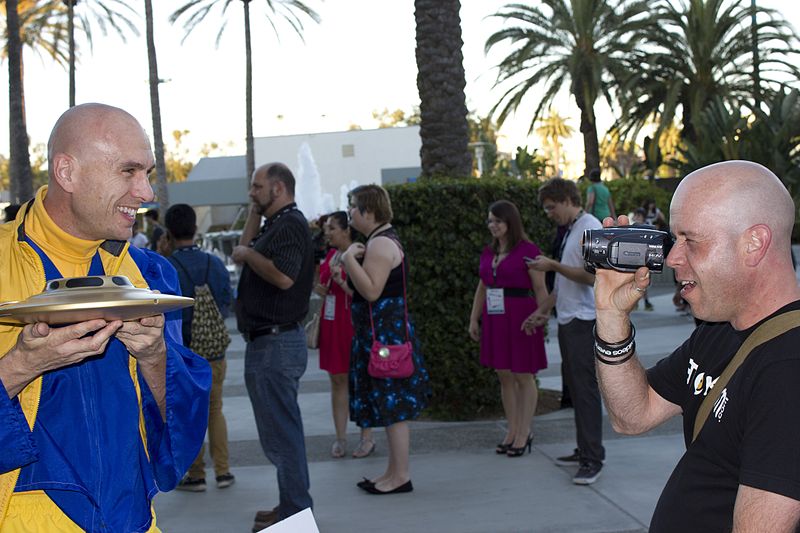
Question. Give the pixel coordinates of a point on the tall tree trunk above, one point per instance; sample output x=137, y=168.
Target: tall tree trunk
x=71, y=31
x=688, y=132
x=248, y=96
x=756, y=59
x=20, y=175
x=155, y=109
x=440, y=82
x=588, y=129
x=557, y=156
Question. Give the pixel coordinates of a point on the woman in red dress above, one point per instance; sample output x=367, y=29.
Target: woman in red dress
x=336, y=332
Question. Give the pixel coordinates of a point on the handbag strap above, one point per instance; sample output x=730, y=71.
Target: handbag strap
x=765, y=332
x=405, y=303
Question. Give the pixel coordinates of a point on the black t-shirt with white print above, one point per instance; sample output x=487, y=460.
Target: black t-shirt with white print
x=751, y=437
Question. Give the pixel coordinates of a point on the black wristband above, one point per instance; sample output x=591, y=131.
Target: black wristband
x=614, y=353
x=613, y=345
x=617, y=360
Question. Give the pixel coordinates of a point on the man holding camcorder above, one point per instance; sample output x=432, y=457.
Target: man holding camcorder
x=735, y=380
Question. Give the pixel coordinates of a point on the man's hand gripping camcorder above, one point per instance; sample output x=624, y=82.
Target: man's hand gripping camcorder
x=625, y=248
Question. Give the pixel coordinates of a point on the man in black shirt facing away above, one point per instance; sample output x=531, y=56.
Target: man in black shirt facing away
x=732, y=222
x=274, y=289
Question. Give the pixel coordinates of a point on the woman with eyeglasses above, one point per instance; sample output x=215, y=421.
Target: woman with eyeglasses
x=506, y=295
x=378, y=271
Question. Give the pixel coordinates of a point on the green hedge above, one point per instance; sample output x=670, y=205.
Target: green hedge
x=442, y=226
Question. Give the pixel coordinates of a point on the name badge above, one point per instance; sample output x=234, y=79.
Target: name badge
x=495, y=303
x=330, y=307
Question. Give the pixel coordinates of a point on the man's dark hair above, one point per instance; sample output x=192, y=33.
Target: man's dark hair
x=560, y=190
x=152, y=214
x=181, y=221
x=594, y=175
x=280, y=172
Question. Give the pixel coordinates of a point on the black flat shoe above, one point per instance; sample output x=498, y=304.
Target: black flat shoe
x=364, y=483
x=405, y=487
x=518, y=452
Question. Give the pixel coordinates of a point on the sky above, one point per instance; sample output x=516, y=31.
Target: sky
x=358, y=60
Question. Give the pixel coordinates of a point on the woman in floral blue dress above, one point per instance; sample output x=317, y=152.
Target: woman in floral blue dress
x=378, y=272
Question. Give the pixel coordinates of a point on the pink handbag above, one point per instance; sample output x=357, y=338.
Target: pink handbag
x=391, y=360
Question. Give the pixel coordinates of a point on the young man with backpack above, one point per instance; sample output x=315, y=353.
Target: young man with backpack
x=203, y=277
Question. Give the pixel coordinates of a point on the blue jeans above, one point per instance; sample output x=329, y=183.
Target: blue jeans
x=273, y=366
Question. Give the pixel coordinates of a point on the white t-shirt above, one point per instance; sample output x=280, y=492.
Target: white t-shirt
x=575, y=300
x=139, y=240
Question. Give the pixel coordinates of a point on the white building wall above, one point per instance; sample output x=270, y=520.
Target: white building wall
x=387, y=155
x=342, y=157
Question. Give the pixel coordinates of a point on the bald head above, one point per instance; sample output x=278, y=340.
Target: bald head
x=741, y=194
x=99, y=161
x=732, y=255
x=82, y=126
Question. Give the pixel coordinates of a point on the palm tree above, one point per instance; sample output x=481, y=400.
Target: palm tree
x=440, y=82
x=701, y=50
x=20, y=165
x=580, y=44
x=290, y=11
x=620, y=155
x=102, y=12
x=483, y=139
x=155, y=110
x=552, y=129
x=37, y=25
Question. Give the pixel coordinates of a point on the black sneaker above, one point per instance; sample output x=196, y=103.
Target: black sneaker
x=192, y=484
x=225, y=480
x=569, y=460
x=587, y=473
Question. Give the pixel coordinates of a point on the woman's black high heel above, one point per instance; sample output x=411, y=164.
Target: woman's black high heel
x=502, y=448
x=518, y=452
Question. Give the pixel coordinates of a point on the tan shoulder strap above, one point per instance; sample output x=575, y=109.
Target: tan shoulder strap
x=765, y=332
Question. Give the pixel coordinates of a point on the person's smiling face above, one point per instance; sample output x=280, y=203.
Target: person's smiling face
x=497, y=227
x=111, y=182
x=337, y=237
x=705, y=255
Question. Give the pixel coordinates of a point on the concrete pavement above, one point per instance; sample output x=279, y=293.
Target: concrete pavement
x=460, y=484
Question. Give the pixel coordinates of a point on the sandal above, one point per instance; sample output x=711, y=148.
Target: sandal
x=339, y=448
x=364, y=449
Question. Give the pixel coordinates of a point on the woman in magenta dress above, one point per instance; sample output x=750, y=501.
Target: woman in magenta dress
x=506, y=295
x=336, y=332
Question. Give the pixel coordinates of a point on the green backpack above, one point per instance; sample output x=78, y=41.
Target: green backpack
x=210, y=337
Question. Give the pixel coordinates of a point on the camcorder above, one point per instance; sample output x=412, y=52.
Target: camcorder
x=625, y=248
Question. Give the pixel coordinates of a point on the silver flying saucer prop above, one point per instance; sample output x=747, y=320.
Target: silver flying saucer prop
x=71, y=300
